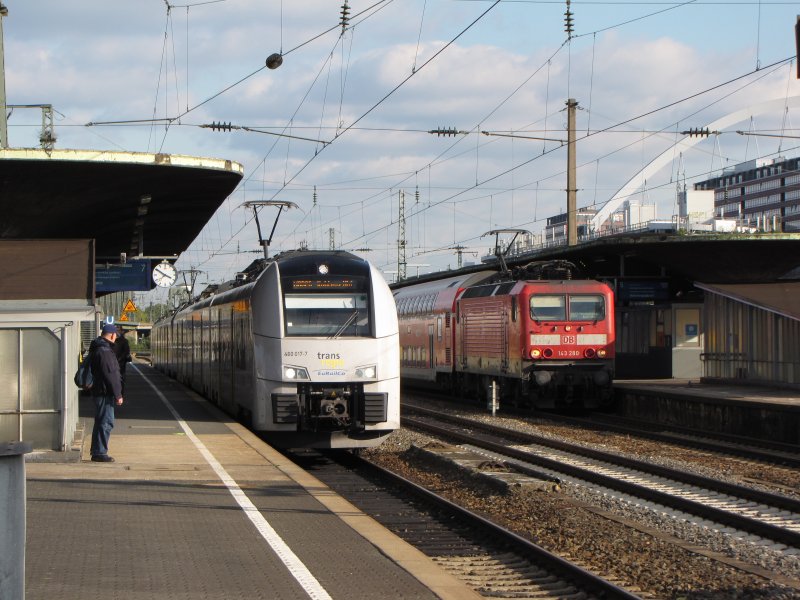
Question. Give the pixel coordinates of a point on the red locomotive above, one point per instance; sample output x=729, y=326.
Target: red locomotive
x=545, y=339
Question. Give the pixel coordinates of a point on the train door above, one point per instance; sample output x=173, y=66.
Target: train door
x=504, y=341
x=447, y=339
x=200, y=358
x=430, y=346
x=214, y=362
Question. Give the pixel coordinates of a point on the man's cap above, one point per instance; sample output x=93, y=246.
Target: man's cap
x=108, y=328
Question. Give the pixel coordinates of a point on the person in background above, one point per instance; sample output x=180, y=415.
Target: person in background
x=106, y=391
x=122, y=350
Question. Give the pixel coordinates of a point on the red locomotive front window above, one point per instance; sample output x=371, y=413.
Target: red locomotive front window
x=549, y=308
x=589, y=307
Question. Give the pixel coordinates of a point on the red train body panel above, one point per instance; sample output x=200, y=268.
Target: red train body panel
x=545, y=343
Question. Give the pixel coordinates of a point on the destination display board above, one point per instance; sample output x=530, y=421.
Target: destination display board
x=328, y=284
x=643, y=291
x=133, y=276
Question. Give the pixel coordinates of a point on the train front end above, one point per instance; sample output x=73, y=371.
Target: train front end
x=326, y=358
x=569, y=348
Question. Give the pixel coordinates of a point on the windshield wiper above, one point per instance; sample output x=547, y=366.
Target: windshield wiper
x=345, y=326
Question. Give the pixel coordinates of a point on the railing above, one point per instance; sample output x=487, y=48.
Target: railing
x=737, y=365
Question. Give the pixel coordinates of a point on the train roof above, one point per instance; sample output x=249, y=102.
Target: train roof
x=454, y=282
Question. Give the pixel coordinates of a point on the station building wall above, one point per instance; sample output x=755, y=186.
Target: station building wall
x=46, y=299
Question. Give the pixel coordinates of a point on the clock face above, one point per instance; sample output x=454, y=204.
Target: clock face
x=164, y=274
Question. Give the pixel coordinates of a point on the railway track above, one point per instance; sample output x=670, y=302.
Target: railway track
x=749, y=448
x=494, y=561
x=738, y=508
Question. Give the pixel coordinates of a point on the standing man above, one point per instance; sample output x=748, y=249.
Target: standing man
x=122, y=350
x=106, y=391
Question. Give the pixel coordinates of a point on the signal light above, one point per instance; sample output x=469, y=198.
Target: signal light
x=589, y=353
x=548, y=352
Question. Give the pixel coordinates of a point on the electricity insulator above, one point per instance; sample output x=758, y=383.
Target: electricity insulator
x=568, y=21
x=345, y=15
x=697, y=131
x=274, y=60
x=444, y=131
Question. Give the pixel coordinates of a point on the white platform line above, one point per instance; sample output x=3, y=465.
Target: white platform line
x=296, y=567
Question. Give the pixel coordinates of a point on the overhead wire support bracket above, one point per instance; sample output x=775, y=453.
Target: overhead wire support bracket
x=222, y=126
x=524, y=137
x=774, y=135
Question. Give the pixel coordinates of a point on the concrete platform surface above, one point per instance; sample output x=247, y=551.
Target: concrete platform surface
x=718, y=390
x=758, y=412
x=195, y=506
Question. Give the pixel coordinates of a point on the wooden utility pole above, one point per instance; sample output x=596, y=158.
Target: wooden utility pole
x=572, y=209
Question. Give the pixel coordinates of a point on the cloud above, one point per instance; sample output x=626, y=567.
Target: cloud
x=510, y=73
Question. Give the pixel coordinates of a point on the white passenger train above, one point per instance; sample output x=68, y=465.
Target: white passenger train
x=307, y=353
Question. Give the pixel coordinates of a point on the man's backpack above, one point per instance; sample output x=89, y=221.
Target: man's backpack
x=83, y=376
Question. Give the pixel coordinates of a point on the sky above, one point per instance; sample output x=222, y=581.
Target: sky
x=341, y=128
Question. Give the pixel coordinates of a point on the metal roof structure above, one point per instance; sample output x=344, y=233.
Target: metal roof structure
x=780, y=298
x=712, y=258
x=132, y=202
x=707, y=257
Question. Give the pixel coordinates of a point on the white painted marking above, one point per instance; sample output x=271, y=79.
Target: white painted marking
x=296, y=567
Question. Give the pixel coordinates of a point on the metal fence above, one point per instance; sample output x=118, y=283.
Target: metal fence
x=748, y=342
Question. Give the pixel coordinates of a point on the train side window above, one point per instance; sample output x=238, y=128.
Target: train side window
x=439, y=328
x=549, y=308
x=514, y=309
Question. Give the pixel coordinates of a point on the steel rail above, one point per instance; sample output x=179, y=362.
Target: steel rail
x=552, y=562
x=711, y=513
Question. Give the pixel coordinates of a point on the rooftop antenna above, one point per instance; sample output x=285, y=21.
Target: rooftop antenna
x=501, y=254
x=255, y=205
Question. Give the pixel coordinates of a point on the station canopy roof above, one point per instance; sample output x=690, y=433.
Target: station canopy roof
x=132, y=202
x=707, y=257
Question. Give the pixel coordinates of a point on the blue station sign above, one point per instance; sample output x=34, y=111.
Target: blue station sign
x=133, y=276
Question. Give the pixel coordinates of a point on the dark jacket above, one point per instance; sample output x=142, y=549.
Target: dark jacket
x=105, y=369
x=122, y=350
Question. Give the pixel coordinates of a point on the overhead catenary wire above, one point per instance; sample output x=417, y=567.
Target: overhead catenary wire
x=588, y=131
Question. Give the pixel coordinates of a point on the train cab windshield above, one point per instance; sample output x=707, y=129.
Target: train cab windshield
x=327, y=315
x=573, y=307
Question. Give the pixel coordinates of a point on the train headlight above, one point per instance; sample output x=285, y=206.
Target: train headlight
x=601, y=353
x=294, y=373
x=536, y=353
x=367, y=372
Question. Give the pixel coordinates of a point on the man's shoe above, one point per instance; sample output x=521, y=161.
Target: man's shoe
x=102, y=458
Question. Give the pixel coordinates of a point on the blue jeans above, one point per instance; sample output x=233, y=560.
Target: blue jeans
x=103, y=423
